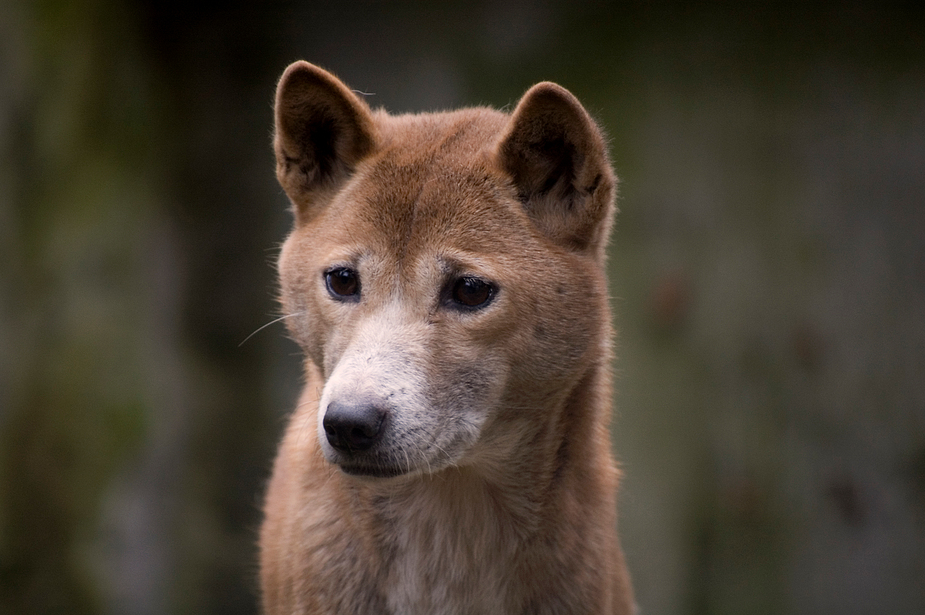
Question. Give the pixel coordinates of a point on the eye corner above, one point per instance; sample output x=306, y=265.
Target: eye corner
x=342, y=283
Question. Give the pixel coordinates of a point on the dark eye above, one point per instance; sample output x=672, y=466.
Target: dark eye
x=343, y=283
x=469, y=292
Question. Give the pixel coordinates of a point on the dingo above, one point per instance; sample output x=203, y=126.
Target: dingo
x=450, y=452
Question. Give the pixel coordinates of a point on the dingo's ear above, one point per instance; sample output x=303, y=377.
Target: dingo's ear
x=322, y=131
x=558, y=162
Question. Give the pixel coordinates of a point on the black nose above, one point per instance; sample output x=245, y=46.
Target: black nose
x=352, y=428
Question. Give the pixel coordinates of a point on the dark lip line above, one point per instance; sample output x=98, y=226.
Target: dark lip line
x=371, y=471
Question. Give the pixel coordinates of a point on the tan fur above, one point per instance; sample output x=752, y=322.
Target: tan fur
x=490, y=486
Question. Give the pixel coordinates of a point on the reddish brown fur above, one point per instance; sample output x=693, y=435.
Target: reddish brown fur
x=497, y=418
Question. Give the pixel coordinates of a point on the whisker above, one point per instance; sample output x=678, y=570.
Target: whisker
x=272, y=322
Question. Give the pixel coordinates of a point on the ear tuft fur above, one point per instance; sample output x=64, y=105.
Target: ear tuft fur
x=557, y=160
x=322, y=131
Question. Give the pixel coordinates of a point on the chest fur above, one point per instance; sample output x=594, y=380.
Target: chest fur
x=452, y=550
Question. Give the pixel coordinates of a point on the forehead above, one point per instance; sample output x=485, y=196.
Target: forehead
x=406, y=203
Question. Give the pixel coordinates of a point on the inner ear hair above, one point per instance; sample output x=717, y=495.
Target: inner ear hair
x=322, y=131
x=557, y=160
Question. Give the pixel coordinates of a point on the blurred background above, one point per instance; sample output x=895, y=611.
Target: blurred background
x=768, y=280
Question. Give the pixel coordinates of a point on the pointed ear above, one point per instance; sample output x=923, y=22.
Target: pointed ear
x=322, y=131
x=557, y=160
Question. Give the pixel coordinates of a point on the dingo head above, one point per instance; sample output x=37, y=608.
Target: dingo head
x=444, y=272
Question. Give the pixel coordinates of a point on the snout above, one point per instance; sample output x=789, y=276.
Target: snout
x=353, y=427
x=387, y=410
